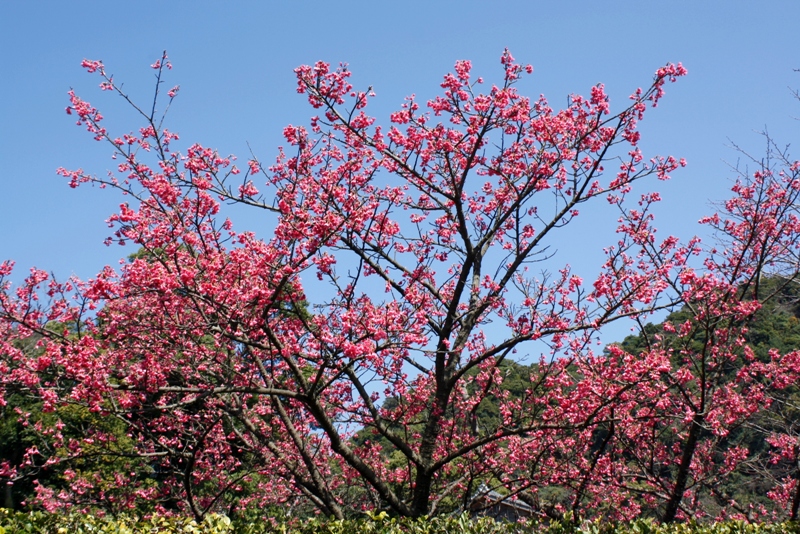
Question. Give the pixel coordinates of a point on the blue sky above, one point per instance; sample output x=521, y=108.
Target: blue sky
x=234, y=62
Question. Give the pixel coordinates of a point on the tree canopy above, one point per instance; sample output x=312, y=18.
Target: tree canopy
x=360, y=356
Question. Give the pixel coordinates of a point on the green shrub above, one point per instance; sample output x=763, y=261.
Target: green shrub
x=78, y=523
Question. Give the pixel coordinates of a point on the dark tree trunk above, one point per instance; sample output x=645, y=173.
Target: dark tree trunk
x=681, y=479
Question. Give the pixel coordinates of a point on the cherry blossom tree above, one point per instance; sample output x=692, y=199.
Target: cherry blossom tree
x=343, y=358
x=693, y=383
x=711, y=384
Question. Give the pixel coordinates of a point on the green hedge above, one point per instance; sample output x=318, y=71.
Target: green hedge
x=76, y=523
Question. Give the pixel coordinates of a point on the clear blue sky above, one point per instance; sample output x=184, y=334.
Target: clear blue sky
x=234, y=63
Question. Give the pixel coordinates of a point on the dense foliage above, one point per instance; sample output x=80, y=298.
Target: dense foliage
x=38, y=522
